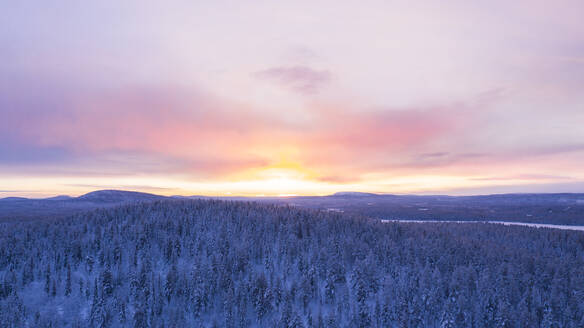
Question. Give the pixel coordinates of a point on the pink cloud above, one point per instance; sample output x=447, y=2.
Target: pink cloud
x=187, y=130
x=348, y=142
x=301, y=79
x=176, y=130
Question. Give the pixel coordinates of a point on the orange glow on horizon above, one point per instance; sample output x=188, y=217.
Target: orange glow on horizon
x=278, y=180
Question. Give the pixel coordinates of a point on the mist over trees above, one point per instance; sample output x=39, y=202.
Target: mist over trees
x=208, y=263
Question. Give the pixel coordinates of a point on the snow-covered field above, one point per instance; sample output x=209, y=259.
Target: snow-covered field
x=533, y=225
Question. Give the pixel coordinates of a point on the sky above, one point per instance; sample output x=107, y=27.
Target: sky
x=291, y=97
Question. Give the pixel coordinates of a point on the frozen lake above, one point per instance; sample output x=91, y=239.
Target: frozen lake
x=532, y=225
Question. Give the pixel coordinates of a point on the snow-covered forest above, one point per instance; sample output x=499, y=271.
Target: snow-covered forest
x=206, y=263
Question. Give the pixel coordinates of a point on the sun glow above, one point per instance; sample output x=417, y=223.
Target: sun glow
x=283, y=178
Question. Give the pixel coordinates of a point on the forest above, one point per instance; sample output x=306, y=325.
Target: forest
x=213, y=263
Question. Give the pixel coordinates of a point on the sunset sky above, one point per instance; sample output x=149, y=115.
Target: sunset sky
x=291, y=97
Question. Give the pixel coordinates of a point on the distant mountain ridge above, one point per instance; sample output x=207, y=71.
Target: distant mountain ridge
x=26, y=208
x=113, y=196
x=354, y=194
x=60, y=197
x=13, y=199
x=105, y=195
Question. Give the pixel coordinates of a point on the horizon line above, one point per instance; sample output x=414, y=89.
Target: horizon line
x=348, y=193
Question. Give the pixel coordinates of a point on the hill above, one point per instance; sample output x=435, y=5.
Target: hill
x=18, y=208
x=118, y=196
x=353, y=194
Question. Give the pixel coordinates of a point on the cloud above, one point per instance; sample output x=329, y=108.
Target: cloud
x=171, y=129
x=185, y=131
x=350, y=142
x=18, y=153
x=121, y=186
x=539, y=177
x=138, y=100
x=568, y=187
x=438, y=160
x=300, y=79
x=434, y=155
x=142, y=129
